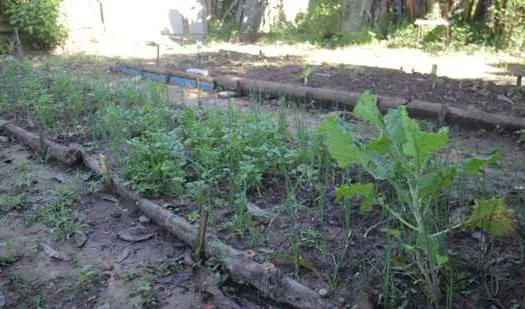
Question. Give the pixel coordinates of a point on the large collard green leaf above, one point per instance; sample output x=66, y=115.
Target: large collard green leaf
x=340, y=144
x=492, y=216
x=394, y=127
x=366, y=108
x=472, y=166
x=365, y=191
x=422, y=144
x=406, y=135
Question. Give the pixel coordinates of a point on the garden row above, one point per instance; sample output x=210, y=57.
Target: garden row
x=339, y=212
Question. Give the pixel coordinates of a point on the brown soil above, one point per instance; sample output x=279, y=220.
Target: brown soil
x=490, y=96
x=119, y=274
x=361, y=270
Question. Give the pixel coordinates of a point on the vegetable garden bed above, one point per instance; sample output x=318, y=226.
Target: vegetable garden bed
x=368, y=211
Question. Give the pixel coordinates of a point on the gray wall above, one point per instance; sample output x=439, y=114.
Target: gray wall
x=139, y=19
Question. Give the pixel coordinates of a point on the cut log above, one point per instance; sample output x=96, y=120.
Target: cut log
x=346, y=100
x=471, y=119
x=67, y=155
x=267, y=278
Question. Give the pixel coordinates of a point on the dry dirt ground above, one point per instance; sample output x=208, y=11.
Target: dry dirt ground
x=40, y=268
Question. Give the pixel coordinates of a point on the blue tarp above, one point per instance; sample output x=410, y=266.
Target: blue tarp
x=174, y=80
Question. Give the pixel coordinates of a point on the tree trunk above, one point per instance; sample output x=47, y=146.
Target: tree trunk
x=272, y=15
x=249, y=15
x=481, y=12
x=499, y=21
x=468, y=5
x=410, y=6
x=383, y=11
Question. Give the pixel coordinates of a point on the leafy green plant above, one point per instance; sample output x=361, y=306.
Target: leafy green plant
x=193, y=216
x=154, y=164
x=8, y=255
x=37, y=21
x=24, y=178
x=403, y=156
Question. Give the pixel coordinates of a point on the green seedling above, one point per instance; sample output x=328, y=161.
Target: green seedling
x=148, y=295
x=306, y=73
x=86, y=278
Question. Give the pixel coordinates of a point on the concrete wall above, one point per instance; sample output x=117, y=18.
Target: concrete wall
x=137, y=19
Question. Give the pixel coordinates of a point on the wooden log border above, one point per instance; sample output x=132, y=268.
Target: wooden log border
x=329, y=98
x=266, y=278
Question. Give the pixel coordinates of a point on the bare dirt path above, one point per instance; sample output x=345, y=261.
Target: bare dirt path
x=44, y=264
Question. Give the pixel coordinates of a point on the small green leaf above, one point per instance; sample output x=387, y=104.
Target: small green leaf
x=394, y=125
x=366, y=108
x=473, y=165
x=492, y=216
x=380, y=145
x=392, y=232
x=441, y=259
x=365, y=191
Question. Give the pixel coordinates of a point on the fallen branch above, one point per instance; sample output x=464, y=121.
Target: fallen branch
x=67, y=155
x=266, y=278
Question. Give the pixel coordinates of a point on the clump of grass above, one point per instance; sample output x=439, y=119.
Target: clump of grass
x=148, y=295
x=87, y=277
x=58, y=213
x=8, y=203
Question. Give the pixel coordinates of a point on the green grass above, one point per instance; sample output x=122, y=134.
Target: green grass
x=59, y=213
x=87, y=277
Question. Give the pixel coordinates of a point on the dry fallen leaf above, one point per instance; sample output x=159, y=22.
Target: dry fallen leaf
x=123, y=255
x=364, y=301
x=80, y=238
x=250, y=253
x=134, y=234
x=51, y=252
x=322, y=292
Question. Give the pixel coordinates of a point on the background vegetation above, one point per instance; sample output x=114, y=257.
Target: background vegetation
x=497, y=24
x=38, y=21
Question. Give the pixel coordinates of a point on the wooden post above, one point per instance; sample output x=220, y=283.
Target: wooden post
x=434, y=69
x=19, y=51
x=518, y=81
x=158, y=55
x=419, y=32
x=101, y=7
